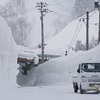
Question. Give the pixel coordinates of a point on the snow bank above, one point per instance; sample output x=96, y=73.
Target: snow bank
x=8, y=56
x=59, y=71
x=61, y=42
x=28, y=53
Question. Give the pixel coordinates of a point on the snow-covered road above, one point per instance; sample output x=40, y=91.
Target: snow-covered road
x=46, y=93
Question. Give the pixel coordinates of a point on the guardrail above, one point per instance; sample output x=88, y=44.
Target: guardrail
x=47, y=57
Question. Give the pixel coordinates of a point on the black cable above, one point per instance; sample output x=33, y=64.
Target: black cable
x=76, y=34
x=93, y=13
x=60, y=14
x=57, y=3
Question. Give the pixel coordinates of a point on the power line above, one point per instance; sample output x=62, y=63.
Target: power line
x=93, y=13
x=31, y=9
x=87, y=31
x=61, y=15
x=57, y=3
x=84, y=17
x=76, y=33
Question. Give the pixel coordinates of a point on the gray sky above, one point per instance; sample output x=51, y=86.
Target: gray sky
x=2, y=2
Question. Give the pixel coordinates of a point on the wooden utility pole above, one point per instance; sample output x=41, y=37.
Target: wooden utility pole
x=87, y=30
x=42, y=31
x=99, y=26
x=42, y=8
x=97, y=5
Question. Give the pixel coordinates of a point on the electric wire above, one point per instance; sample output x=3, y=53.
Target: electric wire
x=76, y=33
x=93, y=13
x=57, y=3
x=60, y=14
x=77, y=28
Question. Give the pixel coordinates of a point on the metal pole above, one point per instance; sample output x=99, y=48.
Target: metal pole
x=42, y=7
x=97, y=5
x=42, y=32
x=99, y=26
x=87, y=30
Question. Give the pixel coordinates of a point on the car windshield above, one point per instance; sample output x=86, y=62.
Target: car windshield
x=91, y=67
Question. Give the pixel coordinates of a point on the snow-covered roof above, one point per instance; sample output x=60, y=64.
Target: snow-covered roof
x=92, y=61
x=25, y=52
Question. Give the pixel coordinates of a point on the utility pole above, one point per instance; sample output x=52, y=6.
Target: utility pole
x=99, y=26
x=97, y=5
x=87, y=30
x=42, y=8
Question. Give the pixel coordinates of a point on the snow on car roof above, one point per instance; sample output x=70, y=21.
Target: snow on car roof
x=25, y=52
x=92, y=61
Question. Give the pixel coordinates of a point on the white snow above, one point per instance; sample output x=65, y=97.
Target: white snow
x=8, y=56
x=61, y=10
x=52, y=80
x=59, y=71
x=25, y=52
x=62, y=41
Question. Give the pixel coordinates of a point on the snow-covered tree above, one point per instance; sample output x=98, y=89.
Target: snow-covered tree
x=14, y=13
x=93, y=42
x=79, y=46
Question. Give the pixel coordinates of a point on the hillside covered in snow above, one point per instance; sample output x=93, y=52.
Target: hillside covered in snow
x=74, y=31
x=51, y=80
x=26, y=26
x=23, y=17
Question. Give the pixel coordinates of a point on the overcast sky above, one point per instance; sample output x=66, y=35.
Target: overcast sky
x=2, y=2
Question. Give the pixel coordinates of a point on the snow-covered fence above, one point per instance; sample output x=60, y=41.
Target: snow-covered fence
x=47, y=57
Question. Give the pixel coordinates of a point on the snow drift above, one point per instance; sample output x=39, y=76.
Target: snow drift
x=8, y=56
x=59, y=71
x=77, y=28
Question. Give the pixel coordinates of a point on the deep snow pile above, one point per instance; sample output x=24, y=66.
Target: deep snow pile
x=62, y=41
x=8, y=56
x=28, y=53
x=59, y=71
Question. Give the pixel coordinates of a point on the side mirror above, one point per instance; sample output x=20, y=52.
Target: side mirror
x=78, y=70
